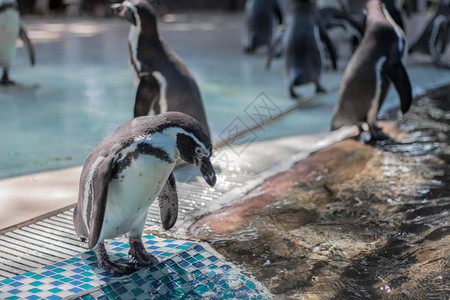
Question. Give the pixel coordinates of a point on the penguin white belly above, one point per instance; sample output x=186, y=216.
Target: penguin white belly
x=9, y=32
x=130, y=195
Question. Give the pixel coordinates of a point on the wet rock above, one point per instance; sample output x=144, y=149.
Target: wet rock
x=351, y=221
x=293, y=198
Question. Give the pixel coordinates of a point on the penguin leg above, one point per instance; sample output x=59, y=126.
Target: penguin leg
x=5, y=78
x=320, y=88
x=139, y=254
x=292, y=92
x=109, y=266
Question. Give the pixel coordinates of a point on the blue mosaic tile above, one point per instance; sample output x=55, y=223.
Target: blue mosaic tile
x=16, y=284
x=18, y=277
x=187, y=270
x=14, y=291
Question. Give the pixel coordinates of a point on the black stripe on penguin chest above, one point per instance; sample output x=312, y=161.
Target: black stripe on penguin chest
x=131, y=157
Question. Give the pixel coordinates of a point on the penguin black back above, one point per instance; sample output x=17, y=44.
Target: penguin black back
x=164, y=81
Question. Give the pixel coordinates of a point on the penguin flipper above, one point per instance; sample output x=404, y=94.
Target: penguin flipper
x=100, y=183
x=146, y=95
x=24, y=37
x=168, y=203
x=331, y=49
x=398, y=75
x=275, y=48
x=277, y=11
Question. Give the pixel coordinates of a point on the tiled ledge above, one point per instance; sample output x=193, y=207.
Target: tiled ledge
x=187, y=269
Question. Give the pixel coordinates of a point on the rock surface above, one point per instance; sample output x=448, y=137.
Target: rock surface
x=351, y=221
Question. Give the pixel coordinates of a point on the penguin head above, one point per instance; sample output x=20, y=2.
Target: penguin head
x=139, y=13
x=191, y=139
x=194, y=146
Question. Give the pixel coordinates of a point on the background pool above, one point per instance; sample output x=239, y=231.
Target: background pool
x=81, y=88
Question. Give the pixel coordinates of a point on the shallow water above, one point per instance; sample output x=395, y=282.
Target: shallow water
x=382, y=233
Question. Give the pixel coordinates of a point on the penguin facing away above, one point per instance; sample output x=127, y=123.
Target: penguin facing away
x=126, y=172
x=11, y=28
x=258, y=25
x=164, y=81
x=303, y=46
x=377, y=61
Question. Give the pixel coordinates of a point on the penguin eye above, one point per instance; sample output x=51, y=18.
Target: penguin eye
x=198, y=151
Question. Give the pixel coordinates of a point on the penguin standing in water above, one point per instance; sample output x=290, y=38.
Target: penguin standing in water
x=164, y=81
x=377, y=61
x=124, y=175
x=303, y=46
x=11, y=28
x=259, y=20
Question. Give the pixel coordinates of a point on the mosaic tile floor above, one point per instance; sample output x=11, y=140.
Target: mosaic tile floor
x=187, y=270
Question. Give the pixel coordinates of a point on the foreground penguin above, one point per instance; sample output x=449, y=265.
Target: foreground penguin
x=124, y=175
x=11, y=28
x=377, y=61
x=258, y=26
x=303, y=46
x=164, y=81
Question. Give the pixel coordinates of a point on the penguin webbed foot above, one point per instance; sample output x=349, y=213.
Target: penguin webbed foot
x=139, y=255
x=292, y=93
x=377, y=134
x=5, y=79
x=110, y=266
x=320, y=89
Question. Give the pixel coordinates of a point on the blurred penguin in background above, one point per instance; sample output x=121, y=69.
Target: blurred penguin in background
x=11, y=28
x=259, y=23
x=302, y=45
x=436, y=35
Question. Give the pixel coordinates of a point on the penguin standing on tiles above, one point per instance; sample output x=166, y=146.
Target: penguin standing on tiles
x=376, y=63
x=11, y=28
x=126, y=172
x=164, y=81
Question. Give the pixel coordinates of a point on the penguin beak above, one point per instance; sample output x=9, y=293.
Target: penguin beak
x=207, y=170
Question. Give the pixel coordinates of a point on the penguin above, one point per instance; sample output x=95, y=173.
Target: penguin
x=164, y=81
x=352, y=18
x=334, y=17
x=435, y=37
x=11, y=28
x=377, y=61
x=258, y=24
x=303, y=46
x=126, y=172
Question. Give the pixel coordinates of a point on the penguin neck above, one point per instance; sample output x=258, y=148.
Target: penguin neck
x=375, y=11
x=170, y=140
x=148, y=26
